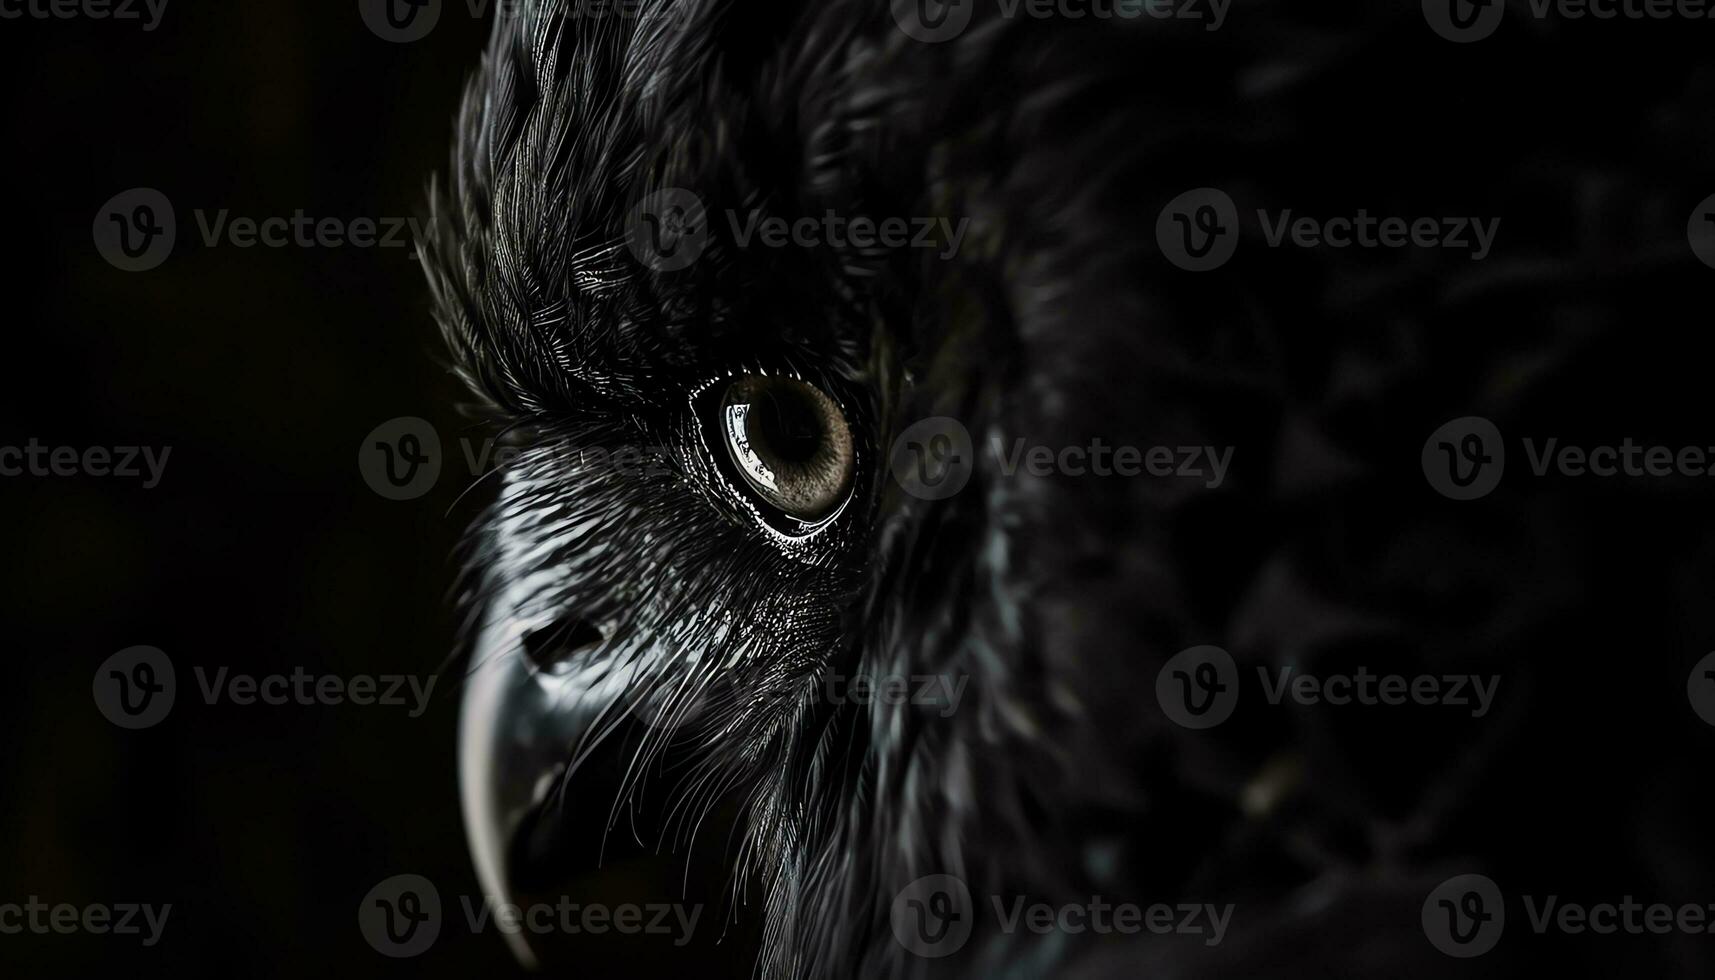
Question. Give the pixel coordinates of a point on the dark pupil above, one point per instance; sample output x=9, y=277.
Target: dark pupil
x=784, y=425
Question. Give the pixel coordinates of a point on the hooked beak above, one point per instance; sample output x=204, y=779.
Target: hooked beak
x=521, y=725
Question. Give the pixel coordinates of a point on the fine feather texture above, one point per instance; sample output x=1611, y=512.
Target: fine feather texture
x=1057, y=321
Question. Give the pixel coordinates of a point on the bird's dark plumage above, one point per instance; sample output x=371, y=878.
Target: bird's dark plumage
x=1057, y=321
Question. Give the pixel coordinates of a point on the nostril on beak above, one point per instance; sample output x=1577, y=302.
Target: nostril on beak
x=552, y=647
x=520, y=718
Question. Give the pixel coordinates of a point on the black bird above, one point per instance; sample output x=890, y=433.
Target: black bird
x=720, y=513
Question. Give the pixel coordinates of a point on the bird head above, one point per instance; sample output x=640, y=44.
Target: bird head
x=870, y=465
x=732, y=286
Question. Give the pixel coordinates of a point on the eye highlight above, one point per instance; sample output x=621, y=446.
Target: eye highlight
x=787, y=441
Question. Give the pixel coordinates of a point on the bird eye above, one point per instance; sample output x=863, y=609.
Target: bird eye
x=787, y=441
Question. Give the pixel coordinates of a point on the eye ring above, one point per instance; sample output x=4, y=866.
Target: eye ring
x=785, y=445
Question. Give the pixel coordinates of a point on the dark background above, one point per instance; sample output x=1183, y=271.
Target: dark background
x=262, y=549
